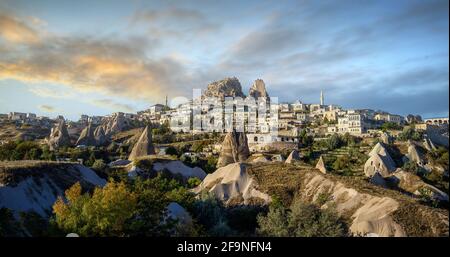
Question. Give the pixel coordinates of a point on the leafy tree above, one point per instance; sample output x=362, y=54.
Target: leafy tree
x=99, y=165
x=105, y=213
x=8, y=225
x=334, y=142
x=193, y=182
x=171, y=151
x=301, y=220
x=409, y=133
x=390, y=126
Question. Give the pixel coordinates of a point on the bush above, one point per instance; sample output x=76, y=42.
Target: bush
x=99, y=165
x=409, y=133
x=171, y=151
x=301, y=220
x=105, y=213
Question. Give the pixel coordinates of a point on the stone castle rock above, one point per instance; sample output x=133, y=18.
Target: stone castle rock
x=228, y=87
x=234, y=149
x=258, y=89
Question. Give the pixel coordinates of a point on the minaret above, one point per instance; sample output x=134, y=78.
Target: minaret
x=166, y=102
x=321, y=98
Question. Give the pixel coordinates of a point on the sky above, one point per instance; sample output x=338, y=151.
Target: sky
x=98, y=57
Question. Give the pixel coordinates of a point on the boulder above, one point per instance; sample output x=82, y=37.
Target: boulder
x=143, y=146
x=293, y=156
x=234, y=149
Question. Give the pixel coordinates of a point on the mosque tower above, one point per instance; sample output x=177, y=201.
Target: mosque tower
x=321, y=98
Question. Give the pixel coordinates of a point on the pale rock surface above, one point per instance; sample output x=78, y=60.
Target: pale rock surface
x=234, y=149
x=321, y=165
x=258, y=89
x=144, y=145
x=87, y=136
x=293, y=156
x=59, y=136
x=232, y=181
x=228, y=87
x=178, y=167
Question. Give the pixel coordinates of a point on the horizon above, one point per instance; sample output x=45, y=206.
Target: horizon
x=391, y=56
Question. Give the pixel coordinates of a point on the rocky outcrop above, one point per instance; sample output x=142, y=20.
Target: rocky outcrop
x=373, y=214
x=321, y=165
x=100, y=136
x=87, y=136
x=415, y=155
x=428, y=144
x=232, y=183
x=438, y=135
x=413, y=184
x=59, y=136
x=379, y=161
x=234, y=149
x=293, y=156
x=144, y=145
x=229, y=87
x=258, y=89
x=35, y=186
x=386, y=138
x=179, y=168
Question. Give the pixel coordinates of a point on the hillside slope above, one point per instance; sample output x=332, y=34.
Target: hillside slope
x=34, y=185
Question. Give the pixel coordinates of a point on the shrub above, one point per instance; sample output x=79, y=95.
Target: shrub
x=171, y=151
x=301, y=220
x=105, y=213
x=99, y=165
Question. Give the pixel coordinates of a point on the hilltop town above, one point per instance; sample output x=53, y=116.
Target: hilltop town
x=372, y=166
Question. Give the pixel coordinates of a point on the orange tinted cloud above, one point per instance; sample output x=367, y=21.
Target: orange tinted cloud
x=16, y=31
x=86, y=64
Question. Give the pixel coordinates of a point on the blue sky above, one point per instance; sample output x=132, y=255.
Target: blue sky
x=97, y=57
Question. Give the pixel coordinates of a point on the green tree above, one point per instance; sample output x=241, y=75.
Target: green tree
x=301, y=220
x=105, y=213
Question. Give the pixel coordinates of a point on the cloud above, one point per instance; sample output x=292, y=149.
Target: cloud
x=51, y=92
x=47, y=108
x=93, y=64
x=16, y=31
x=176, y=22
x=110, y=104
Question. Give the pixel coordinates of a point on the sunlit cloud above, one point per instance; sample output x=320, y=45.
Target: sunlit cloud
x=47, y=108
x=17, y=31
x=110, y=104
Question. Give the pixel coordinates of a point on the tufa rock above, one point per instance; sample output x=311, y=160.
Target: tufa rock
x=143, y=146
x=321, y=165
x=87, y=136
x=234, y=149
x=229, y=87
x=293, y=156
x=232, y=183
x=59, y=136
x=258, y=89
x=379, y=161
x=100, y=136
